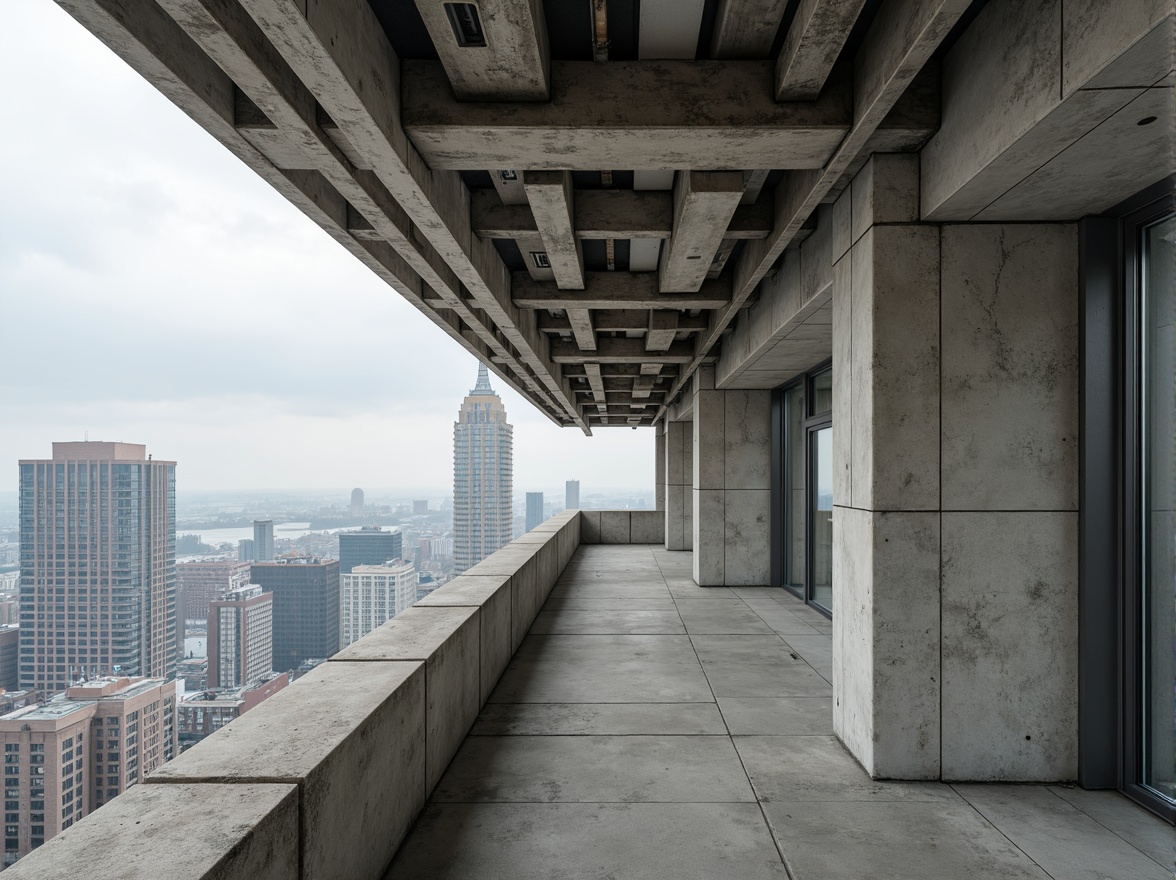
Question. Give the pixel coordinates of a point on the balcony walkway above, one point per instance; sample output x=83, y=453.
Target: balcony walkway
x=649, y=728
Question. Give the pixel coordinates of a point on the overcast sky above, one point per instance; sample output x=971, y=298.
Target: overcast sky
x=154, y=290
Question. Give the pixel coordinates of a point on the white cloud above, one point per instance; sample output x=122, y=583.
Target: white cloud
x=153, y=289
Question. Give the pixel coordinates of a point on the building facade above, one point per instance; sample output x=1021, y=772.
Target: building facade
x=534, y=510
x=240, y=637
x=245, y=550
x=263, y=540
x=98, y=568
x=483, y=476
x=202, y=581
x=306, y=607
x=370, y=545
x=9, y=657
x=65, y=758
x=372, y=595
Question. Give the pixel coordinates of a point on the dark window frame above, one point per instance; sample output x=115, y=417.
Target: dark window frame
x=781, y=488
x=1111, y=473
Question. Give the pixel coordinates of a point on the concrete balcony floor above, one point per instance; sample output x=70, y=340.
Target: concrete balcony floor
x=650, y=728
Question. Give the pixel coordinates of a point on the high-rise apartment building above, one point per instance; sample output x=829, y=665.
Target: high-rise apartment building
x=534, y=510
x=240, y=637
x=371, y=545
x=572, y=495
x=98, y=565
x=9, y=657
x=306, y=607
x=67, y=757
x=483, y=476
x=201, y=582
x=263, y=540
x=245, y=550
x=373, y=594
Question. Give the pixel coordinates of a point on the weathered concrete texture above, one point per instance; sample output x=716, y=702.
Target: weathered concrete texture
x=704, y=203
x=679, y=500
x=242, y=832
x=1095, y=35
x=364, y=738
x=1010, y=643
x=448, y=641
x=1010, y=368
x=599, y=719
x=662, y=124
x=494, y=597
x=1040, y=103
x=814, y=40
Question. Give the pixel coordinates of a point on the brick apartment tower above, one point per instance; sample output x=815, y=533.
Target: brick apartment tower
x=483, y=476
x=98, y=565
x=240, y=637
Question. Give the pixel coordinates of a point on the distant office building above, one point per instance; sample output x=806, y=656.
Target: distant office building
x=534, y=510
x=245, y=551
x=201, y=582
x=9, y=658
x=240, y=637
x=98, y=565
x=441, y=548
x=356, y=502
x=372, y=595
x=66, y=758
x=420, y=508
x=572, y=495
x=483, y=476
x=371, y=545
x=206, y=711
x=263, y=540
x=306, y=607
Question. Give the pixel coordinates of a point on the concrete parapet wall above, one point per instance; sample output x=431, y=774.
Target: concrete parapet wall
x=623, y=526
x=325, y=778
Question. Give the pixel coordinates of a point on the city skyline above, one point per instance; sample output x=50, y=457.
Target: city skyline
x=344, y=364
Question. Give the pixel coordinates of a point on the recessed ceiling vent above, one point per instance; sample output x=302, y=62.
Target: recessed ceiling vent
x=467, y=24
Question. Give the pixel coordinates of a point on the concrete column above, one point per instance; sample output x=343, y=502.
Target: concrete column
x=731, y=485
x=954, y=413
x=659, y=466
x=679, y=505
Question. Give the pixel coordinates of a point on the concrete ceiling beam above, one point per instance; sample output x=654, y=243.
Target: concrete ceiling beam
x=619, y=351
x=550, y=196
x=582, y=329
x=897, y=46
x=513, y=62
x=746, y=28
x=612, y=290
x=704, y=203
x=341, y=53
x=705, y=115
x=814, y=40
x=619, y=321
x=663, y=329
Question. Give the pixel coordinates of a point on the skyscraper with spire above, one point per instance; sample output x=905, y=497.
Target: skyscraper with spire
x=483, y=476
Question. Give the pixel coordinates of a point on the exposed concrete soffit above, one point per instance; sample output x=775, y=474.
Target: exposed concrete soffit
x=898, y=44
x=340, y=52
x=746, y=28
x=815, y=38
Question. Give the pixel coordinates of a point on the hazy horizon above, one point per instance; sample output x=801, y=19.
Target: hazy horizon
x=157, y=291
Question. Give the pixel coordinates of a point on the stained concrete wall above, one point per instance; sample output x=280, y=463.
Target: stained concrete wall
x=731, y=485
x=955, y=518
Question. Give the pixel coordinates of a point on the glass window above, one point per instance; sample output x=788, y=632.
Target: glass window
x=822, y=393
x=1158, y=533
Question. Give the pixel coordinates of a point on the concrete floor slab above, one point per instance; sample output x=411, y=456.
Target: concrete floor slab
x=912, y=840
x=721, y=616
x=1147, y=833
x=588, y=842
x=816, y=650
x=602, y=719
x=779, y=618
x=756, y=666
x=819, y=768
x=603, y=669
x=606, y=589
x=1058, y=836
x=598, y=621
x=595, y=769
x=778, y=716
